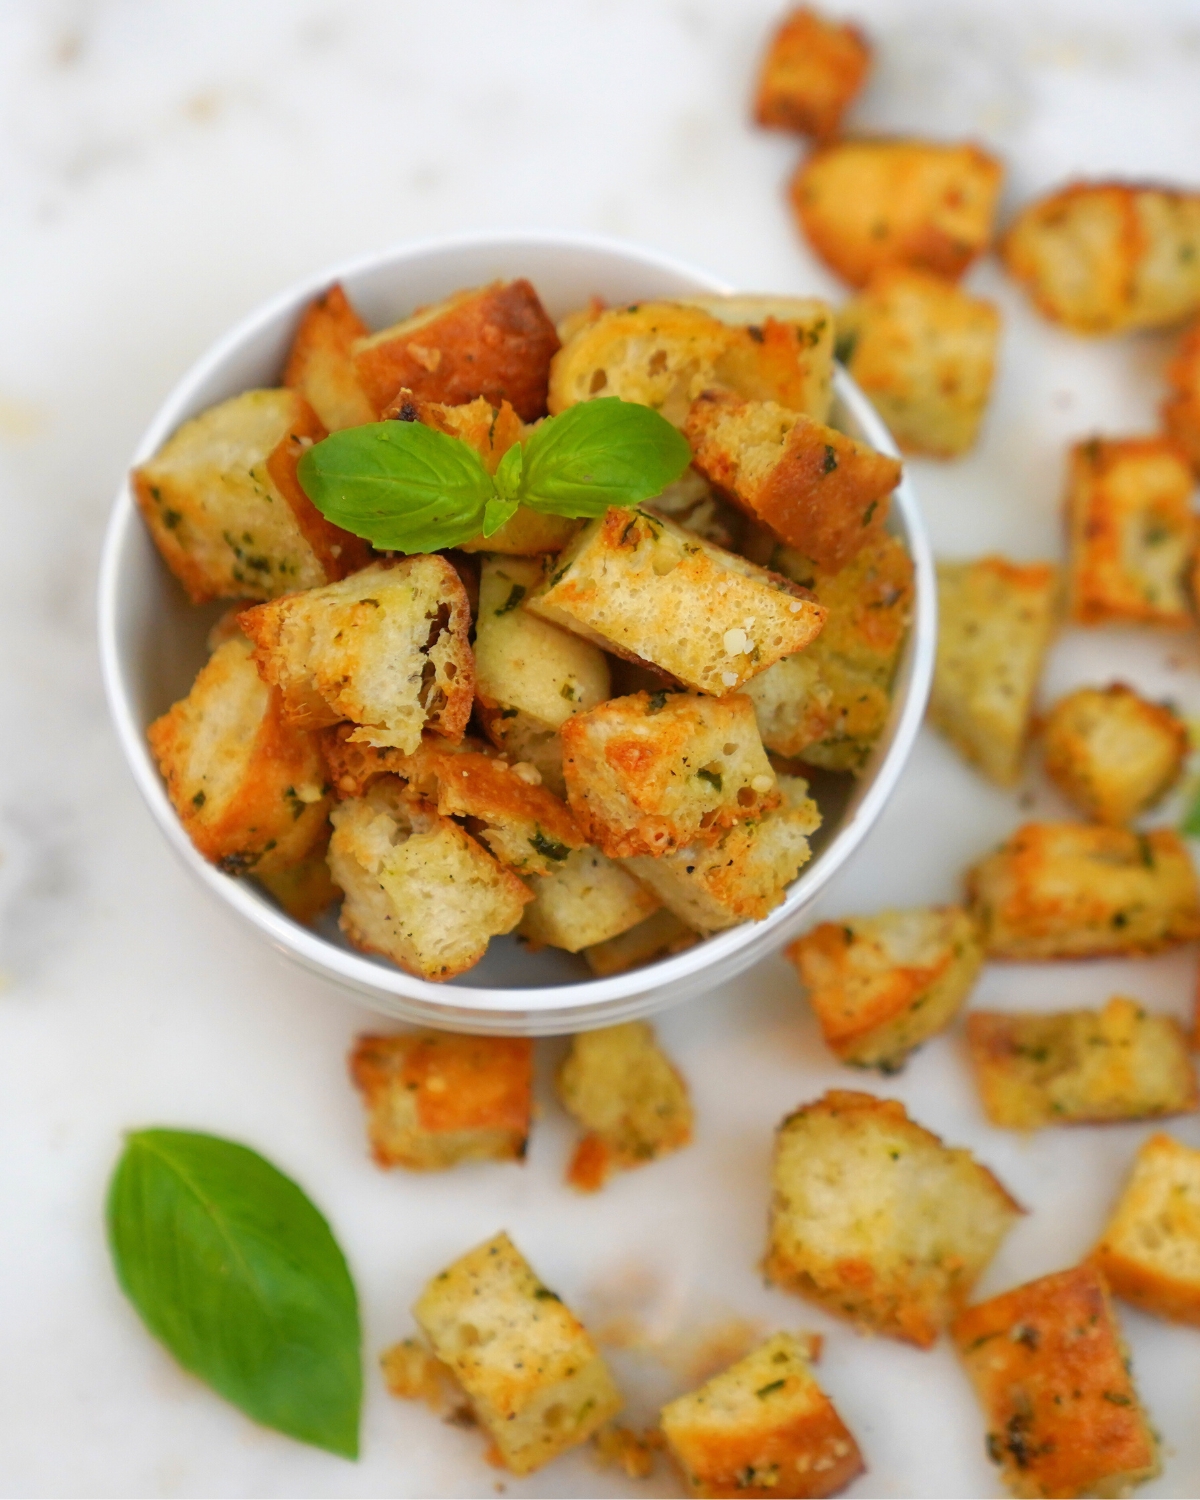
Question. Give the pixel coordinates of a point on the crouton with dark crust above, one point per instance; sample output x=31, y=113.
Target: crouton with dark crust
x=813, y=70
x=321, y=363
x=1113, y=753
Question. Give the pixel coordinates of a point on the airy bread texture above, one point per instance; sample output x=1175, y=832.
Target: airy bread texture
x=354, y=767
x=784, y=352
x=1113, y=753
x=812, y=71
x=1149, y=1252
x=1181, y=409
x=763, y=1427
x=535, y=1379
x=321, y=364
x=657, y=936
x=587, y=899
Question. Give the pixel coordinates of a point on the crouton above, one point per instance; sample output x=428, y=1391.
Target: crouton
x=1119, y=1063
x=785, y=353
x=996, y=620
x=636, y=584
x=657, y=936
x=522, y=738
x=745, y=874
x=863, y=204
x=1149, y=1252
x=354, y=767
x=1181, y=409
x=813, y=69
x=525, y=825
x=249, y=787
x=876, y=1219
x=628, y=1096
x=1050, y=1369
x=924, y=352
x=1101, y=257
x=820, y=491
x=305, y=889
x=882, y=985
x=1132, y=532
x=321, y=365
x=586, y=900
x=535, y=1379
x=649, y=773
x=762, y=1427
x=690, y=501
x=386, y=648
x=226, y=510
x=434, y=1099
x=1074, y=890
x=1113, y=753
x=419, y=890
x=493, y=341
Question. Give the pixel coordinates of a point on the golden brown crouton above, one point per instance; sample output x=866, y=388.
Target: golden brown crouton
x=1049, y=1367
x=882, y=985
x=1132, y=531
x=784, y=353
x=524, y=824
x=1181, y=409
x=434, y=1099
x=924, y=352
x=820, y=491
x=812, y=71
x=628, y=1096
x=321, y=365
x=1113, y=753
x=354, y=767
x=638, y=585
x=493, y=341
x=657, y=936
x=386, y=648
x=305, y=889
x=535, y=1379
x=651, y=772
x=249, y=787
x=1074, y=890
x=864, y=204
x=419, y=890
x=226, y=510
x=1119, y=1063
x=995, y=622
x=877, y=1220
x=585, y=900
x=1101, y=257
x=1149, y=1252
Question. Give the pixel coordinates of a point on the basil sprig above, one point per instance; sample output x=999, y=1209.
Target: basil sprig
x=406, y=487
x=232, y=1267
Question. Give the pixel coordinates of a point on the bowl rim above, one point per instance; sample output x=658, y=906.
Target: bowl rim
x=402, y=993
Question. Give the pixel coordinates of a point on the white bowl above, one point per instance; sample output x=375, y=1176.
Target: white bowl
x=152, y=643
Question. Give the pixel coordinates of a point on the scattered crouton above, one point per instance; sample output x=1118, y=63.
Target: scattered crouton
x=1132, y=532
x=813, y=69
x=864, y=204
x=524, y=824
x=659, y=935
x=996, y=620
x=305, y=889
x=882, y=985
x=1113, y=753
x=877, y=1220
x=1181, y=409
x=434, y=1099
x=321, y=364
x=535, y=1379
x=1050, y=1369
x=1074, y=890
x=586, y=900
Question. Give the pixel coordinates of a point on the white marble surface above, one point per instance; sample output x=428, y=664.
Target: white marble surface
x=162, y=169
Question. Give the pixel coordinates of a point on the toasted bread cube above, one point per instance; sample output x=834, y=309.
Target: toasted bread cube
x=419, y=890
x=745, y=874
x=925, y=353
x=321, y=364
x=226, y=510
x=522, y=738
x=524, y=824
x=1132, y=532
x=638, y=585
x=996, y=620
x=535, y=1379
x=305, y=889
x=434, y=1099
x=1050, y=1369
x=657, y=936
x=1101, y=257
x=1074, y=890
x=654, y=771
x=882, y=985
x=385, y=648
x=248, y=786
x=785, y=354
x=586, y=900
x=813, y=69
x=1113, y=753
x=1149, y=1252
x=354, y=767
x=1119, y=1063
x=876, y=1219
x=820, y=491
x=1181, y=409
x=628, y=1096
x=864, y=204
x=693, y=503
x=762, y=1427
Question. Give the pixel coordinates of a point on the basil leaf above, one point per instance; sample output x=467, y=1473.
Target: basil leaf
x=1190, y=826
x=496, y=512
x=404, y=486
x=600, y=453
x=232, y=1267
x=507, y=478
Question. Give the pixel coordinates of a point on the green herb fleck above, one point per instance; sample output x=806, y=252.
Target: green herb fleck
x=829, y=463
x=774, y=1385
x=515, y=595
x=548, y=848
